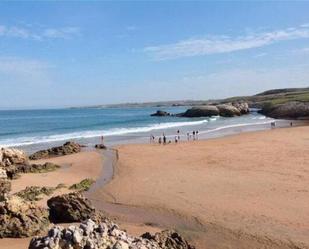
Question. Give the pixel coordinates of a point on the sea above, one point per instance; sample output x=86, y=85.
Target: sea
x=32, y=130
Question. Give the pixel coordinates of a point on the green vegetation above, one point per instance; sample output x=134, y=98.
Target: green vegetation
x=84, y=185
x=35, y=193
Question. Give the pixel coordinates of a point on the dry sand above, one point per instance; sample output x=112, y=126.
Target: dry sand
x=244, y=191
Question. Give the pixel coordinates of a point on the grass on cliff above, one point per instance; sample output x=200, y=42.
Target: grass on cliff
x=83, y=185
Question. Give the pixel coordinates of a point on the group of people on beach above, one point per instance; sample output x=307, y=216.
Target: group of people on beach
x=163, y=139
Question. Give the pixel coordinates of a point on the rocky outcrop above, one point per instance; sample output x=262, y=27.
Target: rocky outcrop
x=160, y=113
x=72, y=207
x=105, y=235
x=10, y=157
x=19, y=218
x=224, y=110
x=289, y=110
x=13, y=171
x=66, y=149
x=228, y=110
x=242, y=107
x=201, y=111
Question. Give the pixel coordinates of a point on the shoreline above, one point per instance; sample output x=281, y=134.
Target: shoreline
x=138, y=218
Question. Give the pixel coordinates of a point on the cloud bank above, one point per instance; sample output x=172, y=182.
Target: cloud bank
x=224, y=44
x=39, y=35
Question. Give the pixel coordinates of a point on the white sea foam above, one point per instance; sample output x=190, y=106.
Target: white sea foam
x=22, y=141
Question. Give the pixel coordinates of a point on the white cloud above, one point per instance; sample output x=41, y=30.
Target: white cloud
x=224, y=44
x=47, y=33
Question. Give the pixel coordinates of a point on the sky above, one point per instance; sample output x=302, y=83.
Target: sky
x=76, y=53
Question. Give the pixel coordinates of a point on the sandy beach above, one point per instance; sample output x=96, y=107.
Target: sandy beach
x=242, y=191
x=245, y=191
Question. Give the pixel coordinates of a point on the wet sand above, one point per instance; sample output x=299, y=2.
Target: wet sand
x=243, y=191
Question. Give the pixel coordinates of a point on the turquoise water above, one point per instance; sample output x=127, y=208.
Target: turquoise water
x=37, y=127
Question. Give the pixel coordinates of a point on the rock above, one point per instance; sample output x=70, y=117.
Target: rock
x=66, y=149
x=160, y=113
x=10, y=157
x=289, y=110
x=5, y=188
x=14, y=170
x=3, y=174
x=201, y=111
x=243, y=107
x=19, y=218
x=105, y=235
x=168, y=239
x=72, y=207
x=226, y=110
x=35, y=193
x=100, y=146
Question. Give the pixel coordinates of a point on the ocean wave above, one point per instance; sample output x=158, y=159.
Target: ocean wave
x=23, y=141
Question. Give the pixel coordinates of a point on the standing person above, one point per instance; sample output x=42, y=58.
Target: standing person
x=160, y=140
x=196, y=134
x=176, y=139
x=164, y=139
x=178, y=134
x=193, y=135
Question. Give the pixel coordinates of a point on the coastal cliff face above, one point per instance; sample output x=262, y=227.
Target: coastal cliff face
x=289, y=110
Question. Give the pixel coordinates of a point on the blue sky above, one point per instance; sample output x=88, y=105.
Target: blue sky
x=55, y=54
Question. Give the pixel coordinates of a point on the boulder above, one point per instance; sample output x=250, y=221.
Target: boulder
x=289, y=110
x=5, y=188
x=168, y=239
x=10, y=157
x=160, y=113
x=100, y=146
x=105, y=235
x=243, y=107
x=72, y=207
x=66, y=149
x=201, y=111
x=19, y=218
x=226, y=110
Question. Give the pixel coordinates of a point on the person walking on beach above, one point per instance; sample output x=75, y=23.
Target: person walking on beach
x=178, y=134
x=193, y=135
x=159, y=140
x=196, y=135
x=176, y=139
x=164, y=139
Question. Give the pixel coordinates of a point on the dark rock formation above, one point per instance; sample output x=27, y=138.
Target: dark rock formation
x=105, y=235
x=201, y=111
x=19, y=218
x=289, y=110
x=72, y=207
x=160, y=113
x=100, y=146
x=65, y=149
